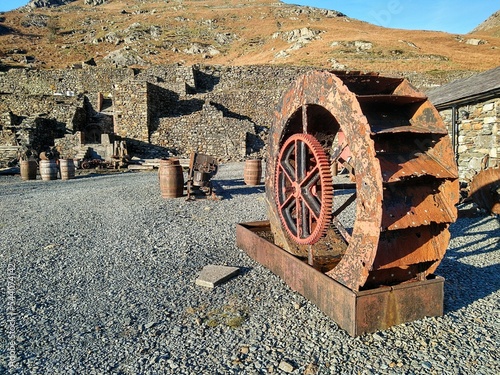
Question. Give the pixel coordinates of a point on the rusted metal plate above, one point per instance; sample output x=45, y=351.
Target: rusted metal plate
x=407, y=129
x=381, y=308
x=398, y=167
x=485, y=190
x=414, y=204
x=401, y=248
x=395, y=99
x=357, y=312
x=369, y=84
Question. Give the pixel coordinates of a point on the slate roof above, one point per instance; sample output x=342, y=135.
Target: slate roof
x=482, y=86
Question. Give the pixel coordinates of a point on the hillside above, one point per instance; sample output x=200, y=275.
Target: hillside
x=229, y=32
x=490, y=27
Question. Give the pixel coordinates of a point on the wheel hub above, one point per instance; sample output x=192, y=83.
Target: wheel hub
x=304, y=189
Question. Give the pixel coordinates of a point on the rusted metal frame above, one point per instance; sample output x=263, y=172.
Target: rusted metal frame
x=338, y=151
x=485, y=190
x=305, y=122
x=357, y=312
x=344, y=186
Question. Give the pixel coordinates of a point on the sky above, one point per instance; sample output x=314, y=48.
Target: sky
x=452, y=16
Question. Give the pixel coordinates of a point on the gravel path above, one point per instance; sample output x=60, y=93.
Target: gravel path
x=97, y=276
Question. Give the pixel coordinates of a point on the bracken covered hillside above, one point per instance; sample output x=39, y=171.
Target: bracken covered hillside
x=229, y=32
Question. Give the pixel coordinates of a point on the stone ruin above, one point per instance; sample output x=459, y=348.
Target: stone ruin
x=159, y=112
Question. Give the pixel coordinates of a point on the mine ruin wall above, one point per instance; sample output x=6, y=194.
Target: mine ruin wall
x=146, y=100
x=174, y=109
x=478, y=144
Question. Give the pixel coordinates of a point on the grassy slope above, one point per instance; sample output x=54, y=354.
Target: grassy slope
x=249, y=25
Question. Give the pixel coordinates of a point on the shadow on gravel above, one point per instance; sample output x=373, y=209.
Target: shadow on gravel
x=98, y=174
x=228, y=188
x=466, y=283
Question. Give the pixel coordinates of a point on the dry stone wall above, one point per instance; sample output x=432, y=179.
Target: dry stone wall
x=206, y=131
x=131, y=117
x=173, y=109
x=478, y=136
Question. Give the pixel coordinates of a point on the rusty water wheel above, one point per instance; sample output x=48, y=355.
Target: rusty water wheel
x=485, y=190
x=395, y=146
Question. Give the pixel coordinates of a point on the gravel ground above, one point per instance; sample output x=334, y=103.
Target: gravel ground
x=98, y=275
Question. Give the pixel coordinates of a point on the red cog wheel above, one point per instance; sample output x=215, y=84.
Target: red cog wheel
x=304, y=189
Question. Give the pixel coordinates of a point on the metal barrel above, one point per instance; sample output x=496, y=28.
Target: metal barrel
x=252, y=172
x=28, y=169
x=67, y=168
x=48, y=170
x=171, y=178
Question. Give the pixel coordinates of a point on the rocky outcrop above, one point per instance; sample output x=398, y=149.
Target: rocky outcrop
x=491, y=25
x=33, y=4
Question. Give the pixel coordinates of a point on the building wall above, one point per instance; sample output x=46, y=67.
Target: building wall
x=478, y=136
x=159, y=106
x=130, y=105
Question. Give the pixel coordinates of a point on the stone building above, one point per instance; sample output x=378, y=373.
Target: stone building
x=471, y=109
x=160, y=111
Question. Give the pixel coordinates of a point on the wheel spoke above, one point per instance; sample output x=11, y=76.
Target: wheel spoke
x=302, y=172
x=311, y=178
x=301, y=161
x=313, y=204
x=347, y=165
x=286, y=166
x=287, y=213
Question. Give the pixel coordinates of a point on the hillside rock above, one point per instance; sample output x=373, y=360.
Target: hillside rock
x=304, y=35
x=358, y=45
x=35, y=20
x=124, y=57
x=94, y=2
x=492, y=24
x=34, y=4
x=198, y=49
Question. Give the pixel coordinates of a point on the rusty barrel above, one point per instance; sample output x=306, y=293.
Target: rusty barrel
x=171, y=178
x=252, y=172
x=48, y=170
x=28, y=169
x=67, y=168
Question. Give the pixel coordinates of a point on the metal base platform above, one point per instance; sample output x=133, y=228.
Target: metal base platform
x=356, y=312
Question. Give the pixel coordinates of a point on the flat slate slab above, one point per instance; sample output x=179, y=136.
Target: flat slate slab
x=212, y=275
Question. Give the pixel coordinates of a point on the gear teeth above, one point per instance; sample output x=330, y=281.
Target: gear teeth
x=323, y=163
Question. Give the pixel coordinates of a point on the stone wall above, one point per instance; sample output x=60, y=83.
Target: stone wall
x=68, y=82
x=69, y=145
x=478, y=136
x=206, y=131
x=173, y=109
x=8, y=155
x=130, y=106
x=186, y=110
x=63, y=109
